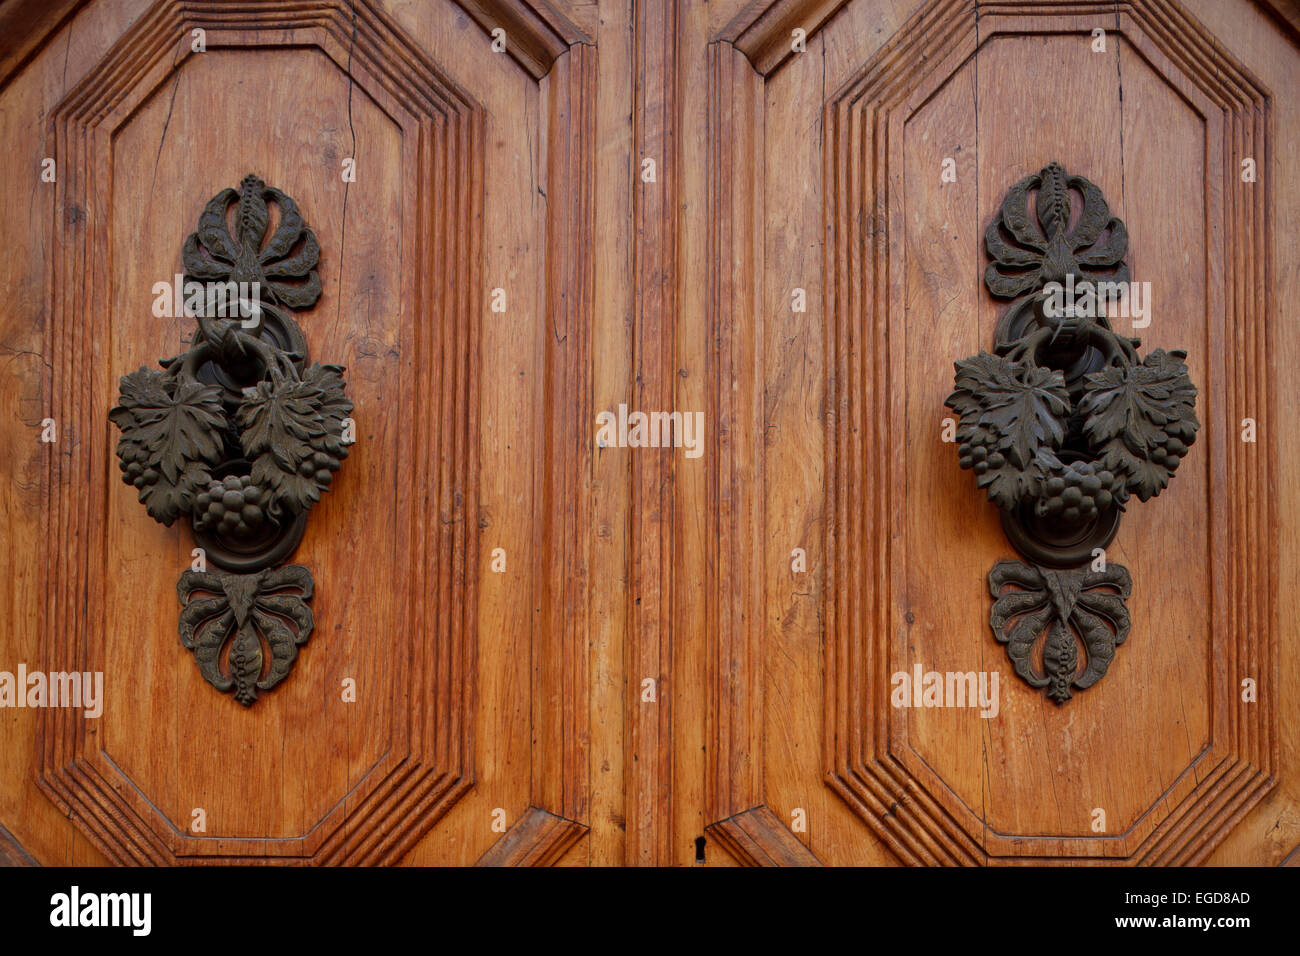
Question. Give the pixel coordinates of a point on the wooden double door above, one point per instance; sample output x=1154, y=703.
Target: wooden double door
x=536, y=643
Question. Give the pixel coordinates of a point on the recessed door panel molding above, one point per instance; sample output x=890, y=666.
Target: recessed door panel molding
x=997, y=96
x=399, y=615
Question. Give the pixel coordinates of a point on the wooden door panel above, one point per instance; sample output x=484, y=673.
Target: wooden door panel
x=176, y=750
x=202, y=740
x=1037, y=749
x=472, y=172
x=848, y=142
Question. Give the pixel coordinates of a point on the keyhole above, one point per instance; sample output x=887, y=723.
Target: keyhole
x=699, y=849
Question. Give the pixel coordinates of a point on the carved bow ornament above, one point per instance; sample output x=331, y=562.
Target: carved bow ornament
x=240, y=435
x=1062, y=424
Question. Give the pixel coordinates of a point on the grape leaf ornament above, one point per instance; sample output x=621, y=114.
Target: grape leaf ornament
x=1009, y=415
x=1141, y=420
x=171, y=437
x=292, y=432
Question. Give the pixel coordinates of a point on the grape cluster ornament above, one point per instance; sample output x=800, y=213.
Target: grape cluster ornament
x=1063, y=425
x=241, y=435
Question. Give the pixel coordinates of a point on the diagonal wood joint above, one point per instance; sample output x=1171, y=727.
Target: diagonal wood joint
x=538, y=838
x=757, y=837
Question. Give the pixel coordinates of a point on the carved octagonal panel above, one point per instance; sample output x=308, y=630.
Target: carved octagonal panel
x=993, y=92
x=409, y=753
x=943, y=786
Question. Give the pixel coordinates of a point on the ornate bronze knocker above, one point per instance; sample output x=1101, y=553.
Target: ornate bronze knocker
x=240, y=435
x=1062, y=424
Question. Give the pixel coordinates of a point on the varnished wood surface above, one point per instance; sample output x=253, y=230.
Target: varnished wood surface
x=914, y=541
x=24, y=26
x=757, y=838
x=538, y=838
x=12, y=852
x=396, y=547
x=500, y=719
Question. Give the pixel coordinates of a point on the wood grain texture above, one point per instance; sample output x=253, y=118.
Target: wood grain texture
x=34, y=820
x=24, y=26
x=649, y=749
x=859, y=513
x=764, y=30
x=536, y=440
x=538, y=838
x=536, y=32
x=896, y=292
x=560, y=663
x=12, y=852
x=1286, y=14
x=611, y=602
x=366, y=785
x=735, y=667
x=757, y=838
x=1271, y=830
x=521, y=691
x=870, y=121
x=426, y=767
x=586, y=15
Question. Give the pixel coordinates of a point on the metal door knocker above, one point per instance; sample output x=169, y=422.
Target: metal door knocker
x=240, y=435
x=1062, y=424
